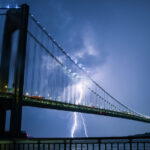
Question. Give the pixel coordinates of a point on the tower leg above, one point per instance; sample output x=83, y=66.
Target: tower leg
x=16, y=112
x=2, y=122
x=15, y=121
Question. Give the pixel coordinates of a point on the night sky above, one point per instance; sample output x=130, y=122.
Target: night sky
x=111, y=39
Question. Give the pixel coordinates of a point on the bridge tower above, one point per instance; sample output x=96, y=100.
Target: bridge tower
x=16, y=20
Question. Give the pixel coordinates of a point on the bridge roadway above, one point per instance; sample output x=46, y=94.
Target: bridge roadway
x=6, y=103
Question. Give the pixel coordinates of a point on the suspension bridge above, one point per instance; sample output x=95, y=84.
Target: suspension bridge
x=36, y=71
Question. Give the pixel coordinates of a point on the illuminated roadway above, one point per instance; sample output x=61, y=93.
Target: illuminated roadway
x=5, y=101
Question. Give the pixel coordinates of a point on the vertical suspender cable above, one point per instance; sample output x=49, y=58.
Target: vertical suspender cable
x=33, y=68
x=40, y=66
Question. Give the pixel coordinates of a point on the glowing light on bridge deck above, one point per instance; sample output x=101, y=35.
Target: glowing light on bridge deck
x=27, y=94
x=6, y=86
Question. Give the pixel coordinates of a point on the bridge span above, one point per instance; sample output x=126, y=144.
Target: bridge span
x=36, y=71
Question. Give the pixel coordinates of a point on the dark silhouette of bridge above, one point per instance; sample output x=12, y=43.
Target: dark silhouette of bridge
x=36, y=71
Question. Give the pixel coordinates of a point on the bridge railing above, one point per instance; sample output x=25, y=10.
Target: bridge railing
x=110, y=143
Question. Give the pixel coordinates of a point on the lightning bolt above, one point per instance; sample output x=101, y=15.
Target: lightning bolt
x=79, y=88
x=75, y=124
x=84, y=125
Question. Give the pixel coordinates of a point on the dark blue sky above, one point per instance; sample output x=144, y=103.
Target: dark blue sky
x=111, y=38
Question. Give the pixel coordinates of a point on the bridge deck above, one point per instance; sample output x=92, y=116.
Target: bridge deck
x=5, y=101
